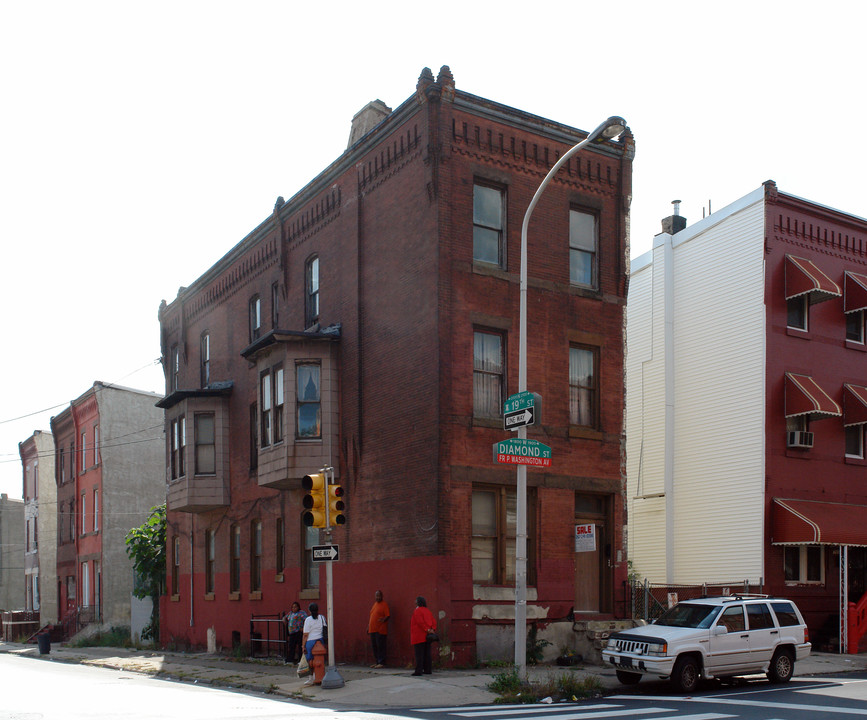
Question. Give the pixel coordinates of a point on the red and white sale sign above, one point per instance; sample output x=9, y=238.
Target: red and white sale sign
x=585, y=538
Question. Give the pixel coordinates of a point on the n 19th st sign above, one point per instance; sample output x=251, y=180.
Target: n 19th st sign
x=522, y=409
x=517, y=451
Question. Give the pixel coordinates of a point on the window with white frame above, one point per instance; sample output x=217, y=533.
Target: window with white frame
x=854, y=441
x=95, y=509
x=311, y=292
x=85, y=585
x=797, y=314
x=205, y=359
x=309, y=401
x=583, y=239
x=855, y=327
x=178, y=443
x=804, y=564
x=83, y=451
x=489, y=205
x=277, y=374
x=95, y=445
x=265, y=408
x=488, y=374
x=83, y=514
x=255, y=317
x=175, y=369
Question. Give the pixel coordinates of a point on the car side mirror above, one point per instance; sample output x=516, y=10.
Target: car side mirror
x=720, y=630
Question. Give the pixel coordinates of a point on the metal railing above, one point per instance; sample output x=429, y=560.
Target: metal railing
x=268, y=636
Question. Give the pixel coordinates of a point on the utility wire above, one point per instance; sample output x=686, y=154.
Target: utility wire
x=53, y=407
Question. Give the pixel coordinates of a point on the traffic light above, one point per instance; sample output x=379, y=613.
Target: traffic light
x=336, y=506
x=314, y=500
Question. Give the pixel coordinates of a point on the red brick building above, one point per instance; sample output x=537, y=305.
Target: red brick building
x=370, y=324
x=107, y=466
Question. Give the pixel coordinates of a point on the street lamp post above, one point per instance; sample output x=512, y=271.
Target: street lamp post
x=609, y=129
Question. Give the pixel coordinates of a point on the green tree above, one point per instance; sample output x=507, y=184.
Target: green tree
x=146, y=546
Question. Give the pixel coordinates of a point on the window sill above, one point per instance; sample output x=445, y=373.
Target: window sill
x=803, y=454
x=255, y=595
x=587, y=291
x=857, y=461
x=210, y=597
x=234, y=596
x=796, y=332
x=852, y=345
x=488, y=422
x=490, y=270
x=278, y=578
x=309, y=594
x=586, y=433
x=175, y=598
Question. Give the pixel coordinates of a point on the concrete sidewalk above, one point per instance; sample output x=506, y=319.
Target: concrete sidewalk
x=363, y=687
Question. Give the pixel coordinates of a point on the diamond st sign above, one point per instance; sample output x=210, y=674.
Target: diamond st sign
x=517, y=451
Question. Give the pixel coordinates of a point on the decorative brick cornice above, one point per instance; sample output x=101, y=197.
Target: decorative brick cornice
x=492, y=146
x=390, y=159
x=249, y=267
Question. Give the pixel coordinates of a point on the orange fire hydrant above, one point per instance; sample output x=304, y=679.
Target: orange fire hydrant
x=317, y=666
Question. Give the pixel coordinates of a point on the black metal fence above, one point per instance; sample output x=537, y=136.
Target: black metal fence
x=268, y=636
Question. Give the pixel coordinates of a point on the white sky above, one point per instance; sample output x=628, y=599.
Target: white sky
x=141, y=141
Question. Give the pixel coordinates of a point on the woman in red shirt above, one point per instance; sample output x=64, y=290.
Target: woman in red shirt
x=421, y=623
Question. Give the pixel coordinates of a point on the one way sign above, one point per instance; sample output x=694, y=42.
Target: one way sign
x=325, y=553
x=519, y=418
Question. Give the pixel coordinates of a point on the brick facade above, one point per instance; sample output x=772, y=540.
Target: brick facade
x=391, y=223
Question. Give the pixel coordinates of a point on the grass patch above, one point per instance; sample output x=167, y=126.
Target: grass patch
x=116, y=637
x=563, y=686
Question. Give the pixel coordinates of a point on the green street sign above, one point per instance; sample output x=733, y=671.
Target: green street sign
x=517, y=451
x=521, y=401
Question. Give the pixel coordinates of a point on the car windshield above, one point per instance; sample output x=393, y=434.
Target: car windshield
x=689, y=616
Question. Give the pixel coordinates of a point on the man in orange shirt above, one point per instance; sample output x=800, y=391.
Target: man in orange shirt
x=377, y=628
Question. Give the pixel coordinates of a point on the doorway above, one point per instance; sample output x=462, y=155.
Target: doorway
x=590, y=545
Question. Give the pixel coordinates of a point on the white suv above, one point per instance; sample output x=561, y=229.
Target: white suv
x=713, y=638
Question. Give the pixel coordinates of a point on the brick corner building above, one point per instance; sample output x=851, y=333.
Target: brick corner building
x=370, y=324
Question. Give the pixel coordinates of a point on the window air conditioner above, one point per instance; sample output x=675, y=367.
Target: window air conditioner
x=799, y=439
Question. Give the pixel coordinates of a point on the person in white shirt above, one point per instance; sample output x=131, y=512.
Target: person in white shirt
x=314, y=630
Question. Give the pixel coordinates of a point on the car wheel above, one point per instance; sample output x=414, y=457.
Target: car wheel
x=782, y=667
x=628, y=678
x=685, y=675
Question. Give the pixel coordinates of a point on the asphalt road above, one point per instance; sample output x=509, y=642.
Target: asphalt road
x=58, y=691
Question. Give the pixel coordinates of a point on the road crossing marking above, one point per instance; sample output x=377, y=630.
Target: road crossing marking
x=501, y=708
x=758, y=704
x=568, y=712
x=525, y=709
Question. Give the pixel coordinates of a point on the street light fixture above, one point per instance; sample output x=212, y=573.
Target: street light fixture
x=608, y=130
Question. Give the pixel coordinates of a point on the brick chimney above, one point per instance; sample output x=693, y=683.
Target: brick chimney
x=673, y=224
x=366, y=119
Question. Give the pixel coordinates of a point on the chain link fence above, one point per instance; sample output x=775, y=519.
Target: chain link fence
x=647, y=601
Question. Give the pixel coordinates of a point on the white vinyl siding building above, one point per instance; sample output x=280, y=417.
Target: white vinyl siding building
x=695, y=414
